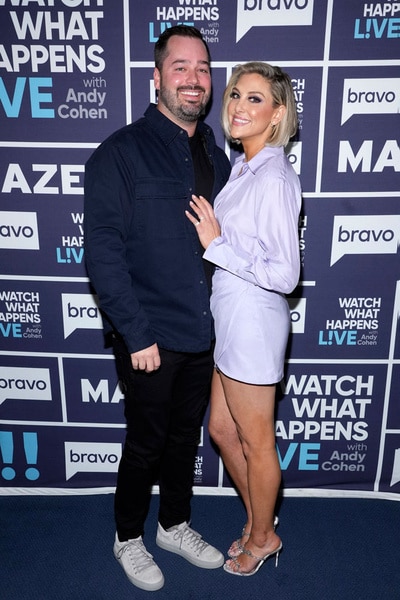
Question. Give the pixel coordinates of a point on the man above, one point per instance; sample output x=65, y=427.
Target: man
x=145, y=262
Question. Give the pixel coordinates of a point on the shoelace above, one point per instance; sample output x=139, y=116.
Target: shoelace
x=192, y=539
x=138, y=555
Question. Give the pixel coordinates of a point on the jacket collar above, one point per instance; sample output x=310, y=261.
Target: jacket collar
x=168, y=130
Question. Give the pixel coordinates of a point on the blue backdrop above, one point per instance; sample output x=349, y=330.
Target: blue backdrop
x=73, y=71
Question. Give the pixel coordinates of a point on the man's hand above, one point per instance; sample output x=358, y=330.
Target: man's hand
x=147, y=359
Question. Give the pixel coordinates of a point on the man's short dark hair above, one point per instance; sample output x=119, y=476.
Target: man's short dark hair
x=160, y=48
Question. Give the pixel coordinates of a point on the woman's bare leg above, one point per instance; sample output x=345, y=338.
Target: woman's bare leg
x=252, y=408
x=223, y=431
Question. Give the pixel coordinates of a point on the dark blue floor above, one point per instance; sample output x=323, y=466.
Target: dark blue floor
x=60, y=548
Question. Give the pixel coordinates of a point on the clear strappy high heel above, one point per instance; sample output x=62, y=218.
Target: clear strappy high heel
x=237, y=570
x=236, y=547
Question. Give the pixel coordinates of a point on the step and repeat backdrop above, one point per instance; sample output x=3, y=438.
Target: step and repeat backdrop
x=72, y=72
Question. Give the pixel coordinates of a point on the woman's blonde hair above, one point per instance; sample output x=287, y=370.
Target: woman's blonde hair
x=282, y=93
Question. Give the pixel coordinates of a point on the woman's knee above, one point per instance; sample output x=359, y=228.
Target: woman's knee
x=214, y=430
x=222, y=433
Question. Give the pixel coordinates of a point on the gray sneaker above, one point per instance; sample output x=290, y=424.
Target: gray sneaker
x=186, y=542
x=138, y=564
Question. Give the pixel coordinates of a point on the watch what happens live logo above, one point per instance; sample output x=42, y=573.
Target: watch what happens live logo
x=59, y=42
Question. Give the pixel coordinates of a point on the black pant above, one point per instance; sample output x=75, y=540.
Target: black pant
x=164, y=411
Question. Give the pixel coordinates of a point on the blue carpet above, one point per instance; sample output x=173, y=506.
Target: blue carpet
x=60, y=548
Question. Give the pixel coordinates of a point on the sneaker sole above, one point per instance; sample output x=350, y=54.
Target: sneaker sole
x=192, y=559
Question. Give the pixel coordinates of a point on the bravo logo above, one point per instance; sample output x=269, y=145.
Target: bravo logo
x=370, y=97
x=297, y=308
x=80, y=311
x=91, y=457
x=294, y=152
x=272, y=13
x=396, y=468
x=19, y=231
x=24, y=384
x=365, y=234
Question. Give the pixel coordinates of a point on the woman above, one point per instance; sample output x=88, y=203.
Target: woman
x=253, y=240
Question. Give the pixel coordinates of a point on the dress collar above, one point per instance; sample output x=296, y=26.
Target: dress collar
x=241, y=166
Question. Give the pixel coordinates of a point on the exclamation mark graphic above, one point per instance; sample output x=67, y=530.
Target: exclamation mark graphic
x=7, y=451
x=367, y=29
x=31, y=452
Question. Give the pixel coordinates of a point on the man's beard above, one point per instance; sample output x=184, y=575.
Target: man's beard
x=184, y=112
